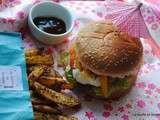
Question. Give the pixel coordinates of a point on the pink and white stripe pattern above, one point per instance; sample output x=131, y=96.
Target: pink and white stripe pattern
x=128, y=18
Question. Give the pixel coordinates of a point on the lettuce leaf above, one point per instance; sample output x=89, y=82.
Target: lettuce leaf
x=69, y=75
x=115, y=84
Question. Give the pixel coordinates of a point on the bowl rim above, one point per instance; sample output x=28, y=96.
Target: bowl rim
x=49, y=34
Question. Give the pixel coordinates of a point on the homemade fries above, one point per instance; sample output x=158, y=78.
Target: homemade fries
x=46, y=85
x=31, y=52
x=40, y=59
x=46, y=109
x=35, y=74
x=55, y=96
x=42, y=116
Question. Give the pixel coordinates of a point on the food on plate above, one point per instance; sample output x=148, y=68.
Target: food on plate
x=42, y=116
x=55, y=81
x=49, y=71
x=50, y=25
x=46, y=86
x=104, y=59
x=46, y=109
x=47, y=81
x=34, y=67
x=35, y=74
x=56, y=96
x=67, y=118
x=40, y=59
x=38, y=101
x=31, y=52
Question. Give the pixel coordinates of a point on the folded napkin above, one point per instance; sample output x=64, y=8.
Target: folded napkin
x=15, y=102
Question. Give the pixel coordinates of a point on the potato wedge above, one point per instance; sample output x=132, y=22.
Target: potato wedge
x=46, y=109
x=34, y=75
x=38, y=101
x=56, y=79
x=56, y=97
x=55, y=82
x=51, y=72
x=67, y=118
x=47, y=81
x=32, y=68
x=67, y=86
x=31, y=52
x=43, y=116
x=40, y=59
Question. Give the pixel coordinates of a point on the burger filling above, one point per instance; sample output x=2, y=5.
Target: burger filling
x=102, y=85
x=84, y=78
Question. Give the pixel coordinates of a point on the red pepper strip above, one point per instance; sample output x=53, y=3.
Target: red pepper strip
x=72, y=57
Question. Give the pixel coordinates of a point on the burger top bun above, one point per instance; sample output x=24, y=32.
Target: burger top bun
x=106, y=51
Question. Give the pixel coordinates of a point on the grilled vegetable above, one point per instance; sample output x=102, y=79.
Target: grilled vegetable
x=46, y=109
x=31, y=52
x=55, y=96
x=34, y=75
x=40, y=59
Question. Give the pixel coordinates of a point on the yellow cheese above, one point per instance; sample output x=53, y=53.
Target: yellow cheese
x=79, y=66
x=104, y=85
x=85, y=77
x=86, y=74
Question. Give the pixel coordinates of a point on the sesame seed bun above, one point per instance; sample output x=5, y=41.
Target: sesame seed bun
x=106, y=51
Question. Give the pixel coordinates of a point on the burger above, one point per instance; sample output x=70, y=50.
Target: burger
x=105, y=60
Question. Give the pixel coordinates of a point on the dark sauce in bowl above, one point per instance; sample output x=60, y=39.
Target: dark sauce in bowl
x=50, y=25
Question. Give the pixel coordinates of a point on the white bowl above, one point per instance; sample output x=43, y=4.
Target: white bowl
x=54, y=10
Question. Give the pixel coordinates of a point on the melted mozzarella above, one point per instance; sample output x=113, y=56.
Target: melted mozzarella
x=84, y=78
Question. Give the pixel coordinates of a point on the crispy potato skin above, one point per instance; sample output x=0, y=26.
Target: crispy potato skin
x=34, y=75
x=55, y=96
x=31, y=52
x=46, y=109
x=40, y=59
x=45, y=86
